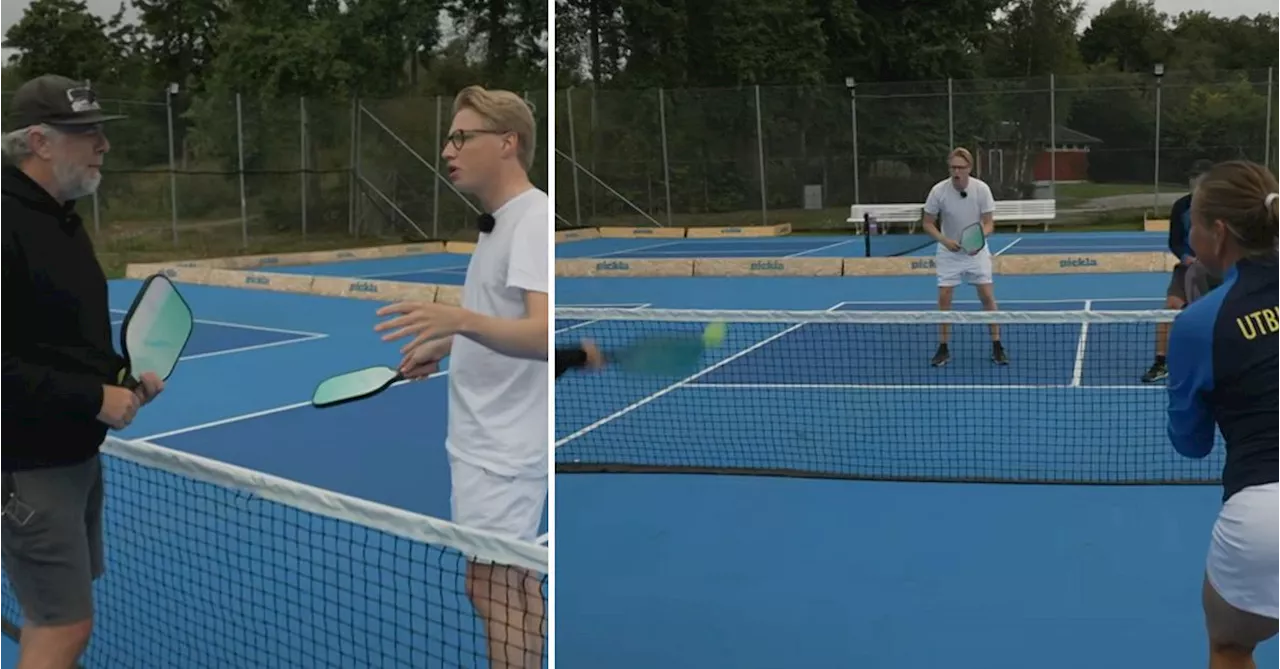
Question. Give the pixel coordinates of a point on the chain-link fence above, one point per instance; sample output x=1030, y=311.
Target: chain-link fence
x=206, y=176
x=773, y=154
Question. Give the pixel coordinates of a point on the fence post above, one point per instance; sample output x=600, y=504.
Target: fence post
x=435, y=183
x=573, y=151
x=1266, y=160
x=666, y=163
x=764, y=207
x=1155, y=200
x=244, y=205
x=351, y=174
x=951, y=116
x=302, y=144
x=1053, y=137
x=852, y=85
x=173, y=176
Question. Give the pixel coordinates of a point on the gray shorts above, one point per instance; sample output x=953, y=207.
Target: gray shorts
x=52, y=540
x=1190, y=282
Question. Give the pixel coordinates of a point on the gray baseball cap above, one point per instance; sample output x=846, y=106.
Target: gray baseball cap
x=57, y=100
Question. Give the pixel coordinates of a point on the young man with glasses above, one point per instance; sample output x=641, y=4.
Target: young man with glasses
x=497, y=342
x=960, y=201
x=60, y=367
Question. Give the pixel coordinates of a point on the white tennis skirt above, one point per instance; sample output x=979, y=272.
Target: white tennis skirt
x=1244, y=553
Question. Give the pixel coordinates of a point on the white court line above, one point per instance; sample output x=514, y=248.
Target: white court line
x=243, y=326
x=255, y=414
x=1077, y=370
x=1007, y=246
x=424, y=270
x=631, y=250
x=1015, y=301
x=683, y=382
x=601, y=305
x=1091, y=247
x=586, y=323
x=242, y=349
x=918, y=386
x=820, y=248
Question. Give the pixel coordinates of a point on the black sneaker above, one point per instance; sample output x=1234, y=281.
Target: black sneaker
x=1158, y=372
x=942, y=357
x=998, y=355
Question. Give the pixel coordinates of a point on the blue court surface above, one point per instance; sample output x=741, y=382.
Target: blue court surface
x=721, y=570
x=440, y=268
x=240, y=395
x=854, y=246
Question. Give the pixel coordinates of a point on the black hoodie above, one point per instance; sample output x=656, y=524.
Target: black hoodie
x=57, y=333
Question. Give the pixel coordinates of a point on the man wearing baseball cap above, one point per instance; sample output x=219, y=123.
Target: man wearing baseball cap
x=59, y=397
x=1190, y=279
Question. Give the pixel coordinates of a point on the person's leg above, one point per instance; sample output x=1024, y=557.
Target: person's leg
x=948, y=278
x=1233, y=634
x=507, y=598
x=49, y=558
x=1175, y=298
x=1239, y=590
x=981, y=276
x=510, y=601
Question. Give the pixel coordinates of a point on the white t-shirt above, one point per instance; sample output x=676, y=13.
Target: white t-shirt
x=954, y=211
x=498, y=404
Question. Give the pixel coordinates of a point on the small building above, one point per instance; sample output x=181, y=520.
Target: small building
x=998, y=156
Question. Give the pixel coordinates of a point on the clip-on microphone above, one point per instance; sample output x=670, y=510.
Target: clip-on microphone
x=964, y=193
x=485, y=222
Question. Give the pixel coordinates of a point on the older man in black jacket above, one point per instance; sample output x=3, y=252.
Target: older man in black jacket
x=60, y=367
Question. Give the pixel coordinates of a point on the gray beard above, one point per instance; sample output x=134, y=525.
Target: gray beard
x=75, y=183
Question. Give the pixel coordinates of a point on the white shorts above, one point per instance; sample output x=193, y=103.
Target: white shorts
x=1244, y=556
x=507, y=505
x=956, y=268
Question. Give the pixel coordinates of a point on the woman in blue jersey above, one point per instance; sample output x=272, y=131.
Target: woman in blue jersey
x=1223, y=372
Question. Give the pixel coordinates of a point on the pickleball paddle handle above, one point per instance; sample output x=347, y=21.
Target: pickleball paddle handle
x=125, y=379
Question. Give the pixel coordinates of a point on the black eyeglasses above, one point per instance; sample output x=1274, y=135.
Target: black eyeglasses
x=459, y=137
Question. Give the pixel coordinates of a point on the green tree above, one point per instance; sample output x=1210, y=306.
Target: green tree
x=63, y=37
x=1131, y=34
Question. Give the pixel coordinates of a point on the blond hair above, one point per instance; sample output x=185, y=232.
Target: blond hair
x=961, y=152
x=505, y=111
x=1237, y=193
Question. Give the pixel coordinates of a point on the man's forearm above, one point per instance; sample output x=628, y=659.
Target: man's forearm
x=931, y=229
x=519, y=338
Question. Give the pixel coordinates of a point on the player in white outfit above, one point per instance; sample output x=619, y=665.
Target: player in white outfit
x=498, y=373
x=958, y=202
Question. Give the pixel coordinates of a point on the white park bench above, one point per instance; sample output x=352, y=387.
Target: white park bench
x=1008, y=212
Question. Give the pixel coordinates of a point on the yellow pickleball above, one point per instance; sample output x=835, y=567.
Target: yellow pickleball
x=713, y=335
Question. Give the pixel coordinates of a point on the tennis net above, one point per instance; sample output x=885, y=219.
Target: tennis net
x=853, y=394
x=212, y=565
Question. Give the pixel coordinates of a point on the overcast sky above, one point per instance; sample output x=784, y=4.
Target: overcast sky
x=13, y=9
